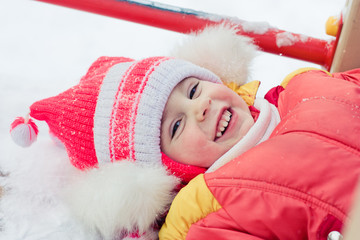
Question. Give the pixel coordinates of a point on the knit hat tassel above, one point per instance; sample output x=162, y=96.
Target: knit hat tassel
x=24, y=131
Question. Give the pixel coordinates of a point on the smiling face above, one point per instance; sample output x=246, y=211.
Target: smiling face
x=201, y=121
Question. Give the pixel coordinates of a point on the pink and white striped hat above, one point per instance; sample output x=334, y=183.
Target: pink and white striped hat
x=115, y=112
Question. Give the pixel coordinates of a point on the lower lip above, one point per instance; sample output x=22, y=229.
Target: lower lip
x=227, y=134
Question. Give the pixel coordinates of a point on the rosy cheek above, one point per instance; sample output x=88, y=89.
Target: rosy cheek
x=191, y=145
x=199, y=152
x=194, y=144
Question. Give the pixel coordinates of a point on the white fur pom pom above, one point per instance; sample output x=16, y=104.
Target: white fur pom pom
x=23, y=131
x=219, y=49
x=121, y=197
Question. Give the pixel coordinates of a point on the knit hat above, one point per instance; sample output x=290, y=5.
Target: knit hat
x=115, y=112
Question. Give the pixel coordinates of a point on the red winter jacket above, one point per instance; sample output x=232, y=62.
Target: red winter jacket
x=299, y=184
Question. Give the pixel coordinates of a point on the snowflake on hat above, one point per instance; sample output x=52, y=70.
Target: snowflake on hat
x=110, y=126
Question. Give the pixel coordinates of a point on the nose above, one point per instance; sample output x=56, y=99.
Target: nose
x=201, y=108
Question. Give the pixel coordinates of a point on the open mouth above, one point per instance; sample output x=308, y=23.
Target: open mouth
x=223, y=123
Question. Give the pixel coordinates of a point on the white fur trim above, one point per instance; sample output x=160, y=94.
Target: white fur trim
x=121, y=196
x=221, y=50
x=268, y=119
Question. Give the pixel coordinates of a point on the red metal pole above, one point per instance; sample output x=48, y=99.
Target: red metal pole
x=182, y=20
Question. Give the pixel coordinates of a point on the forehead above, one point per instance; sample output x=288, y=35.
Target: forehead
x=181, y=89
x=183, y=84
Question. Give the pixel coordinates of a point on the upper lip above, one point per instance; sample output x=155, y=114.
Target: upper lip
x=221, y=112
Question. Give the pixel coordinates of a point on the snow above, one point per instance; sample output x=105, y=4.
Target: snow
x=45, y=49
x=256, y=27
x=287, y=39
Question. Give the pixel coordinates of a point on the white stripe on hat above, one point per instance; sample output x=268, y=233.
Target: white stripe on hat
x=104, y=107
x=146, y=112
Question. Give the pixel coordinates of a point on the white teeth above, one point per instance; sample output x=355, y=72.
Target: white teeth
x=223, y=123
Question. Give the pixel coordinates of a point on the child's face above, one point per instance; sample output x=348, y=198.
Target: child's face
x=201, y=121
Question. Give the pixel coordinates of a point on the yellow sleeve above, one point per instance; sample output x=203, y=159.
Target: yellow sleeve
x=193, y=203
x=290, y=76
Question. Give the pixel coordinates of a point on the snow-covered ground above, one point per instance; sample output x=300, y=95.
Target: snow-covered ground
x=45, y=49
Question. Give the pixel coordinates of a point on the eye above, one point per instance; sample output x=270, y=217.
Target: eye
x=193, y=91
x=176, y=126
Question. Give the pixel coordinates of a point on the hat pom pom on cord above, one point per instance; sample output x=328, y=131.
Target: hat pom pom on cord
x=24, y=131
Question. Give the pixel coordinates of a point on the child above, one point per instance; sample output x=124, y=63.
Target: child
x=298, y=184
x=120, y=109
